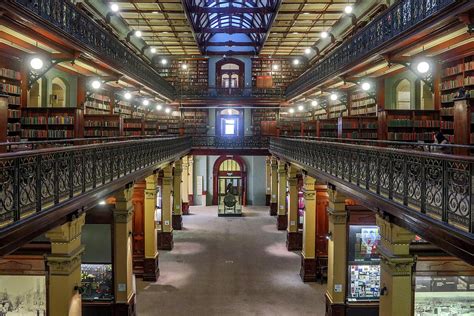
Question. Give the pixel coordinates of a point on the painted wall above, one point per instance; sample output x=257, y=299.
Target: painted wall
x=97, y=241
x=47, y=90
x=248, y=70
x=203, y=166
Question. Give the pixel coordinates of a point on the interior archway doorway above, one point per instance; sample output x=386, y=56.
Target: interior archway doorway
x=230, y=176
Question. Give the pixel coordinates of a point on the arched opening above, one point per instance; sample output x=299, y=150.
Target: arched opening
x=229, y=185
x=426, y=102
x=34, y=94
x=229, y=123
x=58, y=92
x=230, y=73
x=403, y=95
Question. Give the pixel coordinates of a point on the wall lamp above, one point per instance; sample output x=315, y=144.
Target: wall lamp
x=384, y=291
x=329, y=236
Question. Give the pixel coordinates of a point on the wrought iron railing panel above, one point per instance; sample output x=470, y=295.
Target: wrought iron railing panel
x=246, y=142
x=33, y=181
x=398, y=19
x=64, y=15
x=437, y=185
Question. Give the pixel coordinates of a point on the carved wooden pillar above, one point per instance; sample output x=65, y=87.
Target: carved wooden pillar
x=274, y=187
x=282, y=218
x=138, y=201
x=177, y=202
x=185, y=186
x=165, y=236
x=294, y=239
x=268, y=181
x=151, y=269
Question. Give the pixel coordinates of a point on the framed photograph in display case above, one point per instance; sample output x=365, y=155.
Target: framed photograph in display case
x=363, y=263
x=23, y=295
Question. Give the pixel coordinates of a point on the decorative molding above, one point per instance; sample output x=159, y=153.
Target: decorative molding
x=64, y=265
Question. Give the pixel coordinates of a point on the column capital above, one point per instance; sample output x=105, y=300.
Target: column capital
x=64, y=264
x=68, y=231
x=309, y=188
x=281, y=167
x=273, y=162
x=395, y=240
x=399, y=266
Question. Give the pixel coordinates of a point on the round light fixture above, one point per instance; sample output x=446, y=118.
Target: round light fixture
x=291, y=111
x=300, y=108
x=164, y=61
x=95, y=84
x=127, y=95
x=348, y=9
x=138, y=33
x=102, y=202
x=36, y=63
x=366, y=86
x=324, y=34
x=314, y=103
x=307, y=51
x=167, y=110
x=184, y=66
x=114, y=7
x=333, y=97
x=159, y=107
x=275, y=67
x=153, y=50
x=145, y=102
x=423, y=67
x=296, y=61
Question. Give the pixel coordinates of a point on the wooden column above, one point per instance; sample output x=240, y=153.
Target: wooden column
x=151, y=269
x=165, y=236
x=322, y=227
x=294, y=237
x=282, y=218
x=308, y=253
x=274, y=187
x=123, y=270
x=64, y=264
x=268, y=181
x=3, y=120
x=191, y=180
x=185, y=186
x=177, y=202
x=337, y=253
x=138, y=201
x=396, y=274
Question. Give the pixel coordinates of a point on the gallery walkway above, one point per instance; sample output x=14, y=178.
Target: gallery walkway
x=229, y=266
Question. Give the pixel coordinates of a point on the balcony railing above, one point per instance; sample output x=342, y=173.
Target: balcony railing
x=398, y=19
x=35, y=181
x=214, y=92
x=63, y=15
x=246, y=142
x=437, y=185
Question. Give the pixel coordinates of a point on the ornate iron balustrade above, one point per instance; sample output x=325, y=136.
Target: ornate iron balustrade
x=213, y=92
x=34, y=181
x=64, y=15
x=398, y=19
x=439, y=186
x=246, y=142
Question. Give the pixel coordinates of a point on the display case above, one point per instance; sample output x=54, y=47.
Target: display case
x=97, y=282
x=363, y=263
x=444, y=295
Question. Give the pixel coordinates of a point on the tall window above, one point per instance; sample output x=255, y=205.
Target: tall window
x=229, y=127
x=229, y=122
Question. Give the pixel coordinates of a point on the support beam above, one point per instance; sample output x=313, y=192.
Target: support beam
x=191, y=180
x=294, y=237
x=151, y=270
x=282, y=218
x=138, y=201
x=165, y=236
x=274, y=187
x=308, y=253
x=177, y=202
x=185, y=186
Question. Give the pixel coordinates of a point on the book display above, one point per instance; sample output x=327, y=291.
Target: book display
x=48, y=123
x=327, y=128
x=363, y=263
x=133, y=127
x=194, y=76
x=97, y=104
x=97, y=282
x=97, y=125
x=10, y=86
x=274, y=72
x=195, y=122
x=359, y=127
x=410, y=125
x=260, y=117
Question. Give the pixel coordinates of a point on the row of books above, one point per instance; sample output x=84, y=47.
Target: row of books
x=57, y=120
x=459, y=68
x=132, y=133
x=9, y=73
x=366, y=102
x=14, y=127
x=412, y=123
x=14, y=100
x=364, y=111
x=410, y=136
x=101, y=124
x=362, y=125
x=37, y=133
x=449, y=97
x=360, y=135
x=14, y=113
x=132, y=125
x=101, y=133
x=10, y=88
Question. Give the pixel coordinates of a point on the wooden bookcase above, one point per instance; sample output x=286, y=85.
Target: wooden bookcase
x=361, y=103
x=98, y=125
x=357, y=127
x=195, y=76
x=195, y=122
x=327, y=127
x=168, y=125
x=261, y=120
x=98, y=104
x=408, y=125
x=133, y=127
x=262, y=70
x=456, y=74
x=10, y=85
x=48, y=123
x=150, y=127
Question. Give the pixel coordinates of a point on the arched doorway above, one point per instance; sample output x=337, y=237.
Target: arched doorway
x=230, y=73
x=229, y=170
x=59, y=92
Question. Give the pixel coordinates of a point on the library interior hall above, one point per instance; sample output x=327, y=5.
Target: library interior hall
x=236, y=157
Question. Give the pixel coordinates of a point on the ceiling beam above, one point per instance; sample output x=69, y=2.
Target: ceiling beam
x=230, y=43
x=230, y=30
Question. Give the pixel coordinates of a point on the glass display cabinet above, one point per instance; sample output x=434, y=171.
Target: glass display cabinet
x=97, y=284
x=230, y=196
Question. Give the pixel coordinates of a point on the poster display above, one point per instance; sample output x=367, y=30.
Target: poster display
x=23, y=295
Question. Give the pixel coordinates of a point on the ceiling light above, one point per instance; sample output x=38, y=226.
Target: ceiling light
x=145, y=102
x=164, y=61
x=184, y=66
x=324, y=34
x=306, y=13
x=102, y=202
x=333, y=96
x=366, y=86
x=291, y=111
x=114, y=7
x=138, y=33
x=153, y=50
x=300, y=108
x=348, y=9
x=314, y=103
x=95, y=84
x=307, y=51
x=275, y=67
x=296, y=61
x=167, y=110
x=127, y=95
x=159, y=107
x=36, y=63
x=155, y=12
x=296, y=33
x=423, y=67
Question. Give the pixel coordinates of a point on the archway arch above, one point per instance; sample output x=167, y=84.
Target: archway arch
x=230, y=73
x=403, y=94
x=231, y=167
x=59, y=92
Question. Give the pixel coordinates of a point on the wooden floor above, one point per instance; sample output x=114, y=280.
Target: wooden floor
x=229, y=266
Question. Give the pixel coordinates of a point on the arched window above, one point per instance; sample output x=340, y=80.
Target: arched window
x=426, y=102
x=230, y=73
x=34, y=94
x=403, y=95
x=58, y=92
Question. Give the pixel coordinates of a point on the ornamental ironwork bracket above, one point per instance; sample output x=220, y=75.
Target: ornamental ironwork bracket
x=34, y=76
x=427, y=79
x=103, y=80
x=370, y=92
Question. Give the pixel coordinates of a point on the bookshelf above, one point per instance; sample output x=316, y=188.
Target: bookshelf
x=293, y=124
x=195, y=122
x=99, y=125
x=357, y=127
x=327, y=127
x=150, y=127
x=260, y=119
x=456, y=74
x=10, y=85
x=168, y=125
x=48, y=123
x=195, y=76
x=97, y=104
x=263, y=72
x=133, y=126
x=361, y=103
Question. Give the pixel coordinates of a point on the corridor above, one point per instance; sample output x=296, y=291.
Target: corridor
x=229, y=266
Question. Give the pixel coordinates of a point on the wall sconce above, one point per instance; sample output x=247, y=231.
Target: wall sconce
x=384, y=291
x=329, y=236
